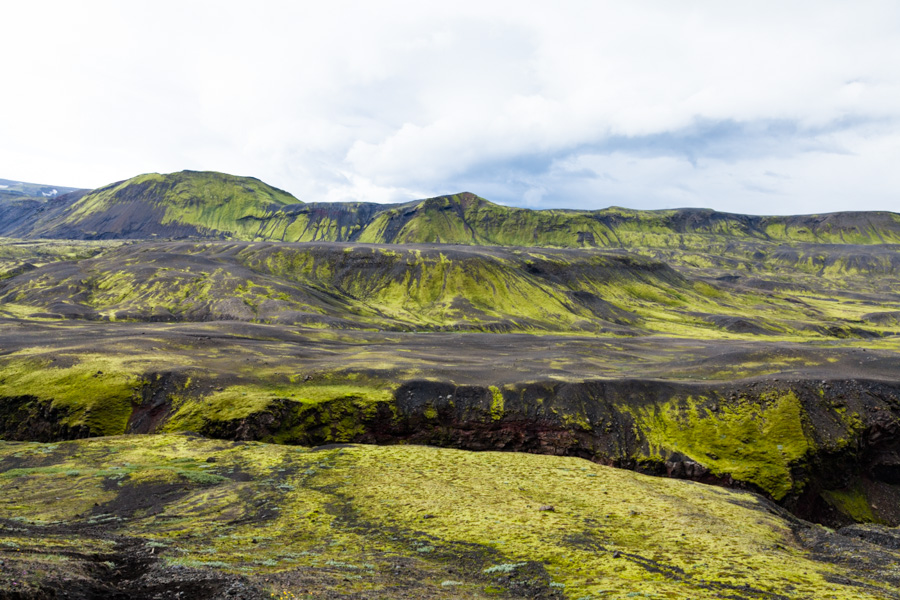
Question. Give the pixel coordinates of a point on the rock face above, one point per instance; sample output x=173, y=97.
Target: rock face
x=827, y=450
x=793, y=442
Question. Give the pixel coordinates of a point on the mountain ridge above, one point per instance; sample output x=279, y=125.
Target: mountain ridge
x=211, y=205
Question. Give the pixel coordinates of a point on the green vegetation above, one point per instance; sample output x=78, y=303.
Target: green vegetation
x=853, y=503
x=438, y=289
x=191, y=204
x=95, y=394
x=496, y=403
x=359, y=511
x=752, y=441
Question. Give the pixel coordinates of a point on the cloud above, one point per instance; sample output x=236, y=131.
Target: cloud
x=645, y=104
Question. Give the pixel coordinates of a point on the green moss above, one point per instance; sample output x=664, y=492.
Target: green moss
x=708, y=290
x=758, y=441
x=496, y=403
x=334, y=411
x=96, y=392
x=359, y=511
x=203, y=478
x=853, y=503
x=484, y=290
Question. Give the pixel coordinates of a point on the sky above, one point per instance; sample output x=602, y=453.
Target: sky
x=751, y=107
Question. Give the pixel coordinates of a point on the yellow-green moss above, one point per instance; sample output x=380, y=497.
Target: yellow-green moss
x=96, y=392
x=853, y=503
x=756, y=440
x=360, y=510
x=241, y=401
x=496, y=403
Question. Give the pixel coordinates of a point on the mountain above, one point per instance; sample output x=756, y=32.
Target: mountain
x=22, y=204
x=191, y=205
x=468, y=219
x=185, y=204
x=10, y=189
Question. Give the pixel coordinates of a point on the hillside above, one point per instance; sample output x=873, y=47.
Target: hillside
x=448, y=288
x=185, y=204
x=601, y=354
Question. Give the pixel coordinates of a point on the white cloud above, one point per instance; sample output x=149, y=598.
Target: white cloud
x=661, y=103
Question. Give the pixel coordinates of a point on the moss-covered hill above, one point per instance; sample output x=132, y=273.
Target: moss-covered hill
x=444, y=288
x=744, y=390
x=214, y=205
x=184, y=204
x=146, y=516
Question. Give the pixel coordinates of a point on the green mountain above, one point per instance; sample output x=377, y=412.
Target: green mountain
x=468, y=219
x=185, y=204
x=218, y=206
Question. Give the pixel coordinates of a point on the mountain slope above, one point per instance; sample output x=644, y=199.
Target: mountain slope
x=440, y=288
x=468, y=219
x=347, y=286
x=185, y=204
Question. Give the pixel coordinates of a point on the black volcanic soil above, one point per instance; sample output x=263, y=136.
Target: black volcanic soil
x=130, y=571
x=470, y=358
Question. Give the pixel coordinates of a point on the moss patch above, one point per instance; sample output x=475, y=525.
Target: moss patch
x=350, y=515
x=95, y=393
x=758, y=441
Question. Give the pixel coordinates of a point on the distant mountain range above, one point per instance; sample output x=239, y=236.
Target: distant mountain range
x=15, y=190
x=209, y=205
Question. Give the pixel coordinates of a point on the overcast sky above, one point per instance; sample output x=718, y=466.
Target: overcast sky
x=754, y=107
